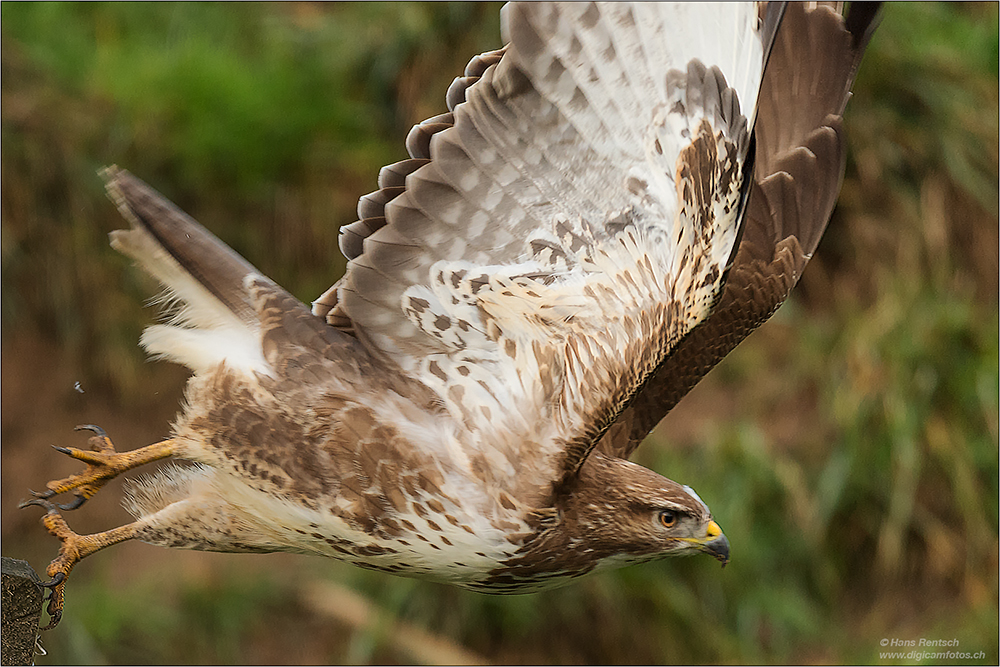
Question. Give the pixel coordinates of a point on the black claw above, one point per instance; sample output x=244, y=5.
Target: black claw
x=48, y=493
x=91, y=427
x=76, y=503
x=55, y=617
x=56, y=580
x=62, y=450
x=41, y=502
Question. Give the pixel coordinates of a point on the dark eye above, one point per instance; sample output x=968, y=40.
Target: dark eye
x=668, y=518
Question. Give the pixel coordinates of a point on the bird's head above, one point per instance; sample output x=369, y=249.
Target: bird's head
x=632, y=514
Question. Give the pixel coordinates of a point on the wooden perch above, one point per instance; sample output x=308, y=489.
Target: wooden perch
x=22, y=607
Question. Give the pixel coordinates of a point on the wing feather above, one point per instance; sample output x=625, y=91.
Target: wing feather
x=798, y=173
x=564, y=224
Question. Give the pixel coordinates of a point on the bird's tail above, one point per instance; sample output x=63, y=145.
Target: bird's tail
x=211, y=315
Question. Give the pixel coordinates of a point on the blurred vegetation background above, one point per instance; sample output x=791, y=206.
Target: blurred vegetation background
x=849, y=448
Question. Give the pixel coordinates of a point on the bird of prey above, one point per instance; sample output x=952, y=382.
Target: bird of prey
x=612, y=202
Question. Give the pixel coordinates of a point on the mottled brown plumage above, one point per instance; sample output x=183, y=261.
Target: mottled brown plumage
x=525, y=297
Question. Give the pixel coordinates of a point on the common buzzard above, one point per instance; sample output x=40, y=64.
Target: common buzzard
x=612, y=202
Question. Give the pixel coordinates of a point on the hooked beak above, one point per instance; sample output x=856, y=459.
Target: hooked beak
x=714, y=543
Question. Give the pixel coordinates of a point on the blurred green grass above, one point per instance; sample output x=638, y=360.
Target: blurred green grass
x=849, y=448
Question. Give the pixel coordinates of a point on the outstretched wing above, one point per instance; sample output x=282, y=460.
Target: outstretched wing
x=565, y=224
x=798, y=172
